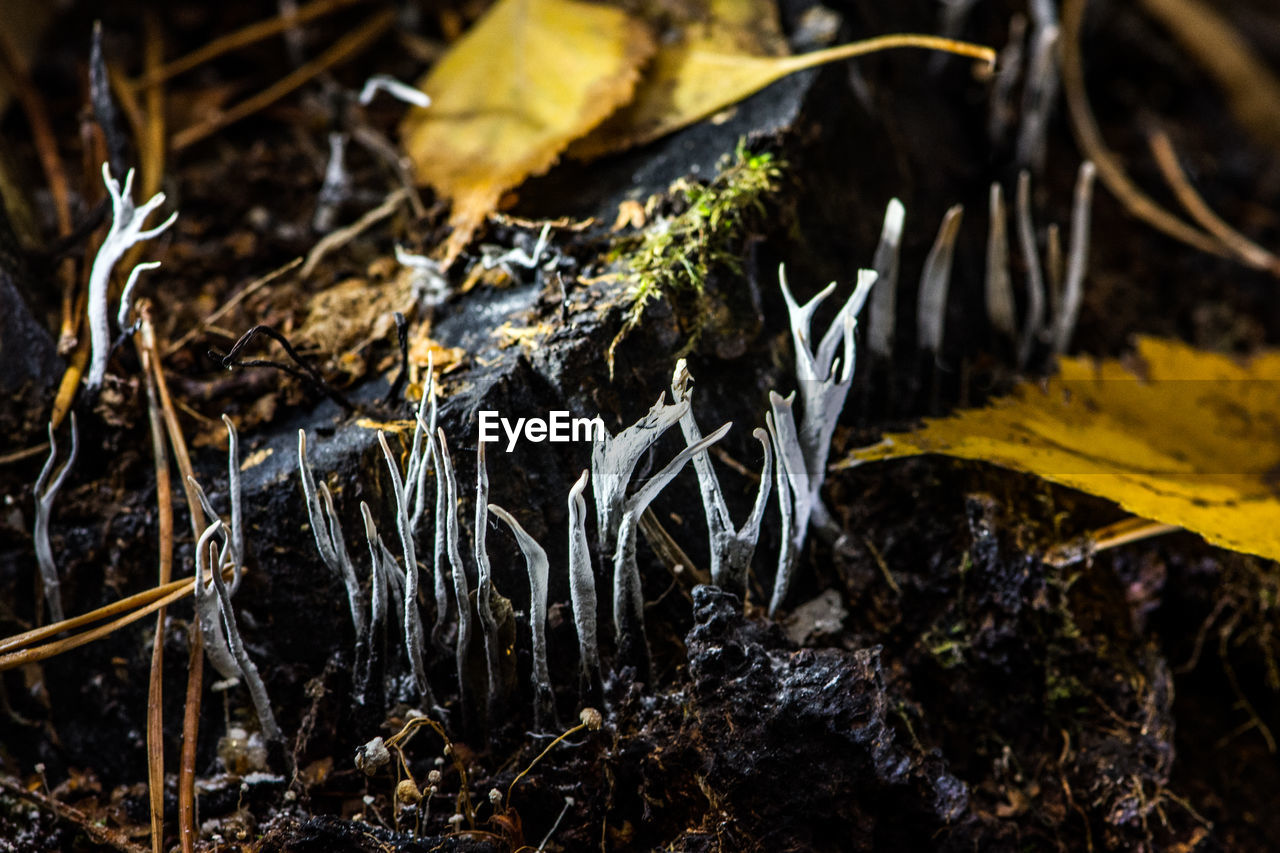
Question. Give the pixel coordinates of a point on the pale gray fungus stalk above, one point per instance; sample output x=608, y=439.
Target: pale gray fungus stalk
x=1035, y=317
x=485, y=589
x=439, y=568
x=786, y=508
x=336, y=187
x=1001, y=112
x=999, y=286
x=461, y=590
x=1077, y=260
x=384, y=573
x=126, y=231
x=420, y=457
x=413, y=635
x=884, y=308
x=45, y=493
x=614, y=459
x=731, y=548
x=235, y=541
x=248, y=671
x=935, y=281
x=208, y=609
x=496, y=256
x=582, y=589
x=538, y=567
x=628, y=596
x=1040, y=91
x=327, y=530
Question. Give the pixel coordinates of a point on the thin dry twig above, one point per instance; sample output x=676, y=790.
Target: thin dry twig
x=241, y=38
x=155, y=688
x=1244, y=249
x=1089, y=137
x=337, y=239
x=344, y=49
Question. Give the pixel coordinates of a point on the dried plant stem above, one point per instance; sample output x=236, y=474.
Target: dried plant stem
x=1245, y=250
x=344, y=49
x=190, y=731
x=241, y=38
x=155, y=688
x=1089, y=136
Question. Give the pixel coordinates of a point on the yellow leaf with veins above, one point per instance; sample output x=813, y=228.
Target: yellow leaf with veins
x=1176, y=435
x=510, y=95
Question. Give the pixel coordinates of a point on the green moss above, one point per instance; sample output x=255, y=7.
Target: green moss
x=675, y=254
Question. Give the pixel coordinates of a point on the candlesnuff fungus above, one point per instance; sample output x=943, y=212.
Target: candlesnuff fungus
x=126, y=231
x=461, y=590
x=582, y=590
x=824, y=377
x=382, y=568
x=485, y=590
x=935, y=281
x=248, y=671
x=884, y=308
x=413, y=637
x=538, y=567
x=731, y=549
x=327, y=530
x=628, y=596
x=614, y=458
x=45, y=492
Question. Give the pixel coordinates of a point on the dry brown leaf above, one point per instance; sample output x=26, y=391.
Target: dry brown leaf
x=1181, y=436
x=529, y=78
x=720, y=62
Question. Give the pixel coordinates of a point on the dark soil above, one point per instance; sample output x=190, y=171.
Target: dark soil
x=965, y=695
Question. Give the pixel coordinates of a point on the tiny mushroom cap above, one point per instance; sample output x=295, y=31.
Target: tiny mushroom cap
x=592, y=719
x=407, y=792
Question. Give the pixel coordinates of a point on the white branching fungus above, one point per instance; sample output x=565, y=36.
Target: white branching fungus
x=45, y=493
x=126, y=295
x=614, y=459
x=1077, y=260
x=126, y=231
x=884, y=299
x=731, y=548
x=485, y=589
x=494, y=256
x=824, y=379
x=999, y=286
x=438, y=565
x=538, y=567
x=396, y=89
x=582, y=589
x=628, y=596
x=413, y=636
x=430, y=287
x=935, y=281
x=327, y=530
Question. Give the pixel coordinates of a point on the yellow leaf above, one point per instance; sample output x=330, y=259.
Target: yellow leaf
x=530, y=77
x=1176, y=435
x=718, y=64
